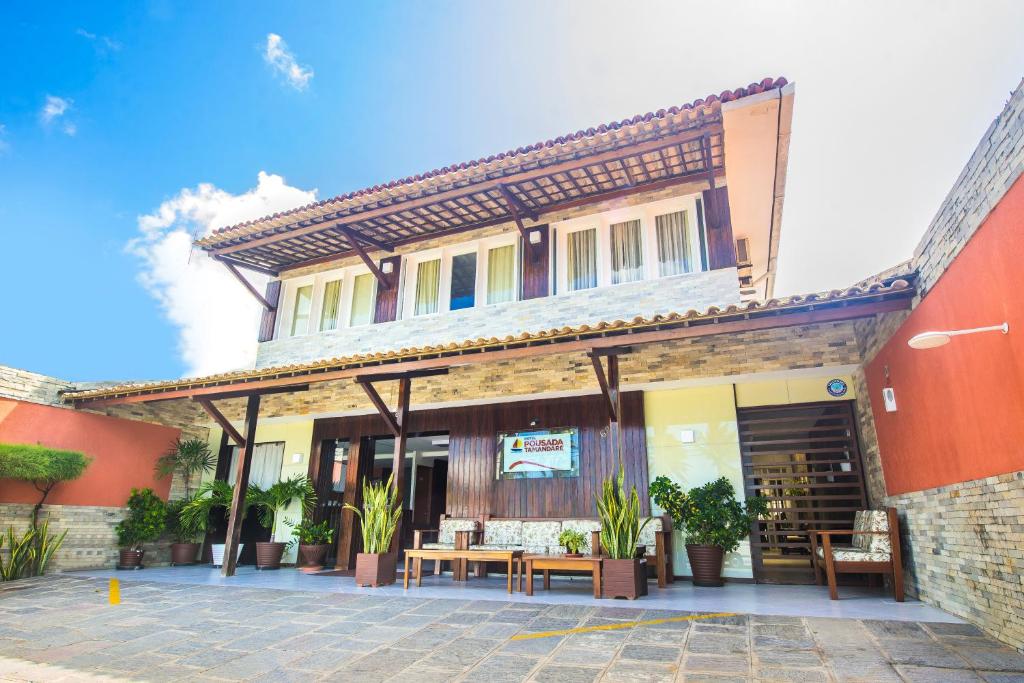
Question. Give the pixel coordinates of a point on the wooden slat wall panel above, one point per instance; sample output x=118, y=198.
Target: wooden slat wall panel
x=473, y=489
x=387, y=298
x=536, y=269
x=795, y=457
x=721, y=248
x=269, y=318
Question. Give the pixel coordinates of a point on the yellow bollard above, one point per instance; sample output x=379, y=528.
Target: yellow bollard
x=115, y=592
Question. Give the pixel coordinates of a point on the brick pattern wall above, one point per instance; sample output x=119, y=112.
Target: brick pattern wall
x=994, y=166
x=91, y=542
x=964, y=551
x=678, y=293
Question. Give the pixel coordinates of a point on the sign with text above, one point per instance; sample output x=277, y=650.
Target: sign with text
x=541, y=453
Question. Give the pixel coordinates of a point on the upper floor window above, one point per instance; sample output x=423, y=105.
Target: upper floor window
x=462, y=276
x=634, y=243
x=328, y=301
x=303, y=307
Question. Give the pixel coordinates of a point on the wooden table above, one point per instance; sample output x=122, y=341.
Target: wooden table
x=545, y=563
x=507, y=556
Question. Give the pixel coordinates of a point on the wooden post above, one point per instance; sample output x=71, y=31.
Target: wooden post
x=398, y=464
x=237, y=511
x=614, y=426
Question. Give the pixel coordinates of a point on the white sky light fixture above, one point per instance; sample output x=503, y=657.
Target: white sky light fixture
x=930, y=340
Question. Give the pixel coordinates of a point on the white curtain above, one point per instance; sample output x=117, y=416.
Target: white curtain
x=627, y=252
x=675, y=253
x=581, y=259
x=265, y=470
x=332, y=299
x=428, y=280
x=300, y=315
x=501, y=274
x=362, y=300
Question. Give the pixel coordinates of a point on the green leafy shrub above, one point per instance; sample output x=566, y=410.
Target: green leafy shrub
x=29, y=554
x=379, y=516
x=709, y=514
x=147, y=516
x=42, y=467
x=276, y=499
x=308, y=533
x=572, y=539
x=620, y=517
x=210, y=496
x=181, y=527
x=187, y=458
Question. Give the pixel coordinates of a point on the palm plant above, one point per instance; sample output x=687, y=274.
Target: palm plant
x=210, y=496
x=187, y=458
x=276, y=499
x=620, y=518
x=379, y=516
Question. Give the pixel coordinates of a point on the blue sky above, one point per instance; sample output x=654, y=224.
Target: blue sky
x=156, y=98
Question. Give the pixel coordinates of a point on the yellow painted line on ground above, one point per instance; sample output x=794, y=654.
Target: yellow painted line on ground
x=624, y=624
x=115, y=592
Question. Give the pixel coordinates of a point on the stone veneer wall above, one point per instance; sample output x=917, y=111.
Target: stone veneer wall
x=679, y=293
x=23, y=385
x=91, y=542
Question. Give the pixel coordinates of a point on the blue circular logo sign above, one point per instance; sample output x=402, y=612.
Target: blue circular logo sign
x=836, y=387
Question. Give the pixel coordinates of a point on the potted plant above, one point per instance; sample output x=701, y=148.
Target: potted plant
x=573, y=540
x=147, y=514
x=211, y=496
x=622, y=572
x=712, y=520
x=378, y=519
x=271, y=503
x=185, y=531
x=314, y=542
x=187, y=459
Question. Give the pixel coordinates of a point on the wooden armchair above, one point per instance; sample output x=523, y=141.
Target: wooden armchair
x=875, y=550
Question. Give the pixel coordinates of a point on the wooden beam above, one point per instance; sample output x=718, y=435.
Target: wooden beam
x=740, y=322
x=248, y=285
x=398, y=462
x=709, y=165
x=219, y=418
x=378, y=403
x=237, y=510
x=365, y=239
x=411, y=374
x=427, y=200
x=266, y=391
x=602, y=381
x=248, y=266
x=615, y=425
x=358, y=248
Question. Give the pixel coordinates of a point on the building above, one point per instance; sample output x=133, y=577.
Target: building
x=614, y=289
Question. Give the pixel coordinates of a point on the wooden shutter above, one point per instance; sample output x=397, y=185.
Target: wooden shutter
x=536, y=269
x=386, y=309
x=270, y=316
x=721, y=250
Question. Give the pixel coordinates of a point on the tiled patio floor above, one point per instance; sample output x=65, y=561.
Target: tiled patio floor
x=62, y=628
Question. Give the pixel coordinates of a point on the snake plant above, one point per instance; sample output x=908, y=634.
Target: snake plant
x=29, y=554
x=620, y=518
x=379, y=516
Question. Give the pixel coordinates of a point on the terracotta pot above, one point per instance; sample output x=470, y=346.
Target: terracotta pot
x=706, y=564
x=623, y=579
x=375, y=569
x=184, y=553
x=312, y=556
x=268, y=555
x=130, y=559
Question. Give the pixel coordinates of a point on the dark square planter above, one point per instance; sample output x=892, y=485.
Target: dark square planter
x=623, y=579
x=375, y=569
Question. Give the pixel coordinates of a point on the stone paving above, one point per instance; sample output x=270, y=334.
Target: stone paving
x=62, y=628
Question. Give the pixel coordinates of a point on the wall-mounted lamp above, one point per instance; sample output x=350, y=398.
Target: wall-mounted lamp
x=930, y=340
x=535, y=237
x=387, y=267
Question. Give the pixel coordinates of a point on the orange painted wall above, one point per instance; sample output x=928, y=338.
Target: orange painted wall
x=961, y=406
x=123, y=453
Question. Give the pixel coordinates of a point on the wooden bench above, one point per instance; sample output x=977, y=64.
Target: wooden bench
x=417, y=555
x=875, y=550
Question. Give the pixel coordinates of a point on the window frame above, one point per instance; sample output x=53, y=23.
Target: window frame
x=319, y=282
x=482, y=249
x=602, y=223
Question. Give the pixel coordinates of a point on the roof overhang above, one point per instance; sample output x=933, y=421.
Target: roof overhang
x=647, y=152
x=837, y=305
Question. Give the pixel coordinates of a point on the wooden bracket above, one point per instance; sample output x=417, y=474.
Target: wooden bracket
x=248, y=285
x=378, y=403
x=353, y=240
x=709, y=162
x=218, y=417
x=609, y=382
x=517, y=210
x=393, y=421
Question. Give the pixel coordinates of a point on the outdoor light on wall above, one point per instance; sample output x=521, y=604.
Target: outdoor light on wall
x=387, y=267
x=535, y=237
x=930, y=340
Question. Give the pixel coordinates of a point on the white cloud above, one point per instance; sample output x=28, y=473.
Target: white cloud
x=278, y=56
x=54, y=111
x=217, y=319
x=102, y=44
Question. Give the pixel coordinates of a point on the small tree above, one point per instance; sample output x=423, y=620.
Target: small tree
x=188, y=458
x=42, y=467
x=709, y=514
x=147, y=515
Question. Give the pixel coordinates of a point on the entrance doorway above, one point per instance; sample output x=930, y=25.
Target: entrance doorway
x=426, y=479
x=805, y=460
